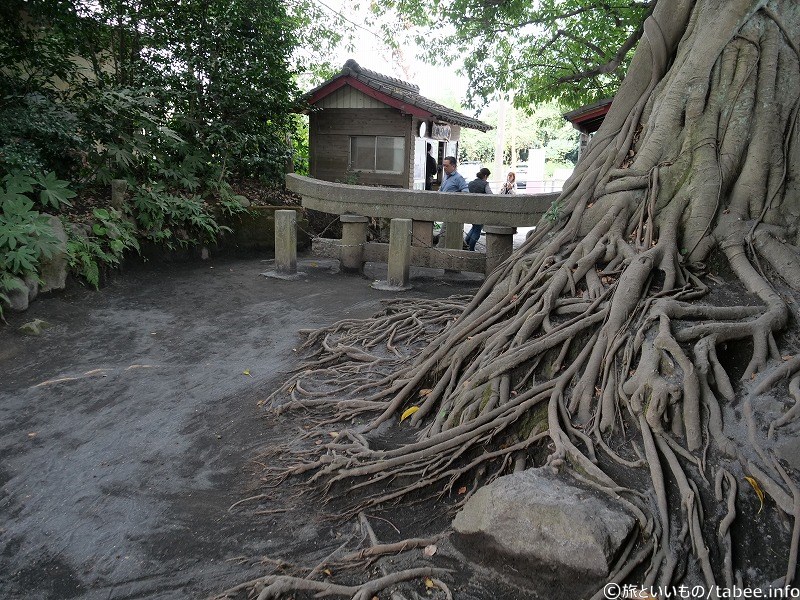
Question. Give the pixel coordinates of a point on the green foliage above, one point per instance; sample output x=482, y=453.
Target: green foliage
x=188, y=94
x=107, y=89
x=554, y=212
x=25, y=234
x=112, y=234
x=571, y=51
x=172, y=220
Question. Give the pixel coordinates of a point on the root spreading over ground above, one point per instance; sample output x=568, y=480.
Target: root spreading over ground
x=598, y=346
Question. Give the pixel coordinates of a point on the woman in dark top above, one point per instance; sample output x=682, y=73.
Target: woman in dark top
x=479, y=185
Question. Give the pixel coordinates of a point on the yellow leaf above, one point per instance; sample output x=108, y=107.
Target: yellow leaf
x=326, y=571
x=429, y=583
x=408, y=412
x=246, y=372
x=758, y=490
x=333, y=434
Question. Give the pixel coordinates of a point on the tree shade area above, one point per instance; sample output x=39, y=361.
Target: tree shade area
x=644, y=337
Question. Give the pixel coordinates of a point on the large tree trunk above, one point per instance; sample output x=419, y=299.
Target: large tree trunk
x=600, y=335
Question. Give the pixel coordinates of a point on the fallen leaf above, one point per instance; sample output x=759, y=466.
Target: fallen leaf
x=32, y=434
x=462, y=490
x=425, y=392
x=429, y=583
x=430, y=550
x=758, y=490
x=408, y=412
x=788, y=357
x=246, y=372
x=333, y=434
x=326, y=571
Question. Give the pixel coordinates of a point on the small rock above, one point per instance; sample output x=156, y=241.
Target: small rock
x=34, y=327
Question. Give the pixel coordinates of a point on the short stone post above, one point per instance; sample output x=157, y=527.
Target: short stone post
x=354, y=236
x=422, y=233
x=118, y=189
x=454, y=236
x=285, y=246
x=399, y=257
x=499, y=245
x=286, y=241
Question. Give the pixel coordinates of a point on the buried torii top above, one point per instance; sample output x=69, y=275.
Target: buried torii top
x=393, y=92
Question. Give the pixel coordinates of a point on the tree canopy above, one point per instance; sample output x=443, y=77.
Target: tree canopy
x=572, y=51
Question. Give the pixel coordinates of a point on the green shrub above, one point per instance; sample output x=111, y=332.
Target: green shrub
x=172, y=220
x=112, y=234
x=25, y=234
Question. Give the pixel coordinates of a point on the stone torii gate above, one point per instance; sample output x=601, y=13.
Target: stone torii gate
x=412, y=214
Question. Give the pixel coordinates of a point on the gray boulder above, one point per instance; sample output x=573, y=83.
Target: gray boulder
x=53, y=270
x=535, y=521
x=20, y=297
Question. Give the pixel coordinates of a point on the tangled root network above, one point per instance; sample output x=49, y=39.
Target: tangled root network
x=605, y=344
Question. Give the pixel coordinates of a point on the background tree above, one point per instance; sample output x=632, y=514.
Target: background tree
x=541, y=127
x=638, y=339
x=572, y=51
x=182, y=99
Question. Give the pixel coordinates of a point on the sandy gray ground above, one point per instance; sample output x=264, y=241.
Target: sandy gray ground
x=126, y=429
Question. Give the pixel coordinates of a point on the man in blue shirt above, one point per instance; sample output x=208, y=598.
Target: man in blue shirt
x=454, y=182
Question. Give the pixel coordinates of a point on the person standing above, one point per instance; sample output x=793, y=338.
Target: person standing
x=510, y=186
x=479, y=185
x=430, y=169
x=454, y=182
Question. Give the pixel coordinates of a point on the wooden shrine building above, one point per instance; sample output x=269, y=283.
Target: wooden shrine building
x=371, y=129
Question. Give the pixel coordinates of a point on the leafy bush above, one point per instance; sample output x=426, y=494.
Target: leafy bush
x=172, y=220
x=25, y=234
x=111, y=235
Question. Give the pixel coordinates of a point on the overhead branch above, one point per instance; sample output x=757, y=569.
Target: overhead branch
x=607, y=67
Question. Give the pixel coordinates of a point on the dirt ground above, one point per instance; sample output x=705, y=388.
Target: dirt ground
x=129, y=427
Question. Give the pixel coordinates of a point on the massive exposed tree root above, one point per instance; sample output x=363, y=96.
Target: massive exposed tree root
x=600, y=338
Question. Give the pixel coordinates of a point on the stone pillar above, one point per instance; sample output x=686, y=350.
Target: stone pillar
x=454, y=236
x=118, y=189
x=354, y=236
x=499, y=244
x=399, y=253
x=286, y=242
x=422, y=234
